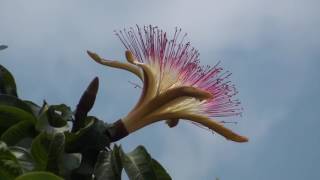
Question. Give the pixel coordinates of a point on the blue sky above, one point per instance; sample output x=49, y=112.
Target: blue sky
x=272, y=48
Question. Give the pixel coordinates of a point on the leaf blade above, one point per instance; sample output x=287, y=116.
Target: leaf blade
x=56, y=150
x=7, y=82
x=108, y=165
x=17, y=132
x=9, y=165
x=39, y=150
x=39, y=176
x=139, y=165
x=10, y=115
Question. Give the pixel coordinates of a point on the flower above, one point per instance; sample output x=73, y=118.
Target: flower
x=175, y=86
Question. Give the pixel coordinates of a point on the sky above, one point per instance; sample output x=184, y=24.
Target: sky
x=271, y=47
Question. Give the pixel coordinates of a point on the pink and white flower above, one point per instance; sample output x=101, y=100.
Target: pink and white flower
x=175, y=85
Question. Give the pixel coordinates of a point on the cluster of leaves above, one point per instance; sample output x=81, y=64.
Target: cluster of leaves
x=41, y=142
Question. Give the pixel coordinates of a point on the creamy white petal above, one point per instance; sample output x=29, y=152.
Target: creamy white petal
x=116, y=64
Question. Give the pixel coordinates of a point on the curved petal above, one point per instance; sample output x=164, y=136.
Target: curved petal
x=149, y=91
x=167, y=99
x=130, y=57
x=176, y=94
x=116, y=64
x=150, y=83
x=203, y=120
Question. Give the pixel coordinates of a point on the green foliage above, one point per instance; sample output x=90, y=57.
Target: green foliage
x=12, y=111
x=40, y=150
x=18, y=132
x=13, y=101
x=56, y=149
x=9, y=165
x=40, y=142
x=24, y=158
x=54, y=119
x=140, y=166
x=47, y=149
x=108, y=165
x=7, y=82
x=38, y=176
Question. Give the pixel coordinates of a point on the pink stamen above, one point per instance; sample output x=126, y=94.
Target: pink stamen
x=150, y=45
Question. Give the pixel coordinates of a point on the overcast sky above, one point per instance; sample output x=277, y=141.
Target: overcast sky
x=272, y=48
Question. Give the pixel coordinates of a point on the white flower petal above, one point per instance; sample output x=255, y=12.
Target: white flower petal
x=116, y=64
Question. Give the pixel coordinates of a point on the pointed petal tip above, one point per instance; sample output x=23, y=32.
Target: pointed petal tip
x=94, y=56
x=89, y=52
x=217, y=127
x=201, y=94
x=240, y=139
x=130, y=57
x=207, y=95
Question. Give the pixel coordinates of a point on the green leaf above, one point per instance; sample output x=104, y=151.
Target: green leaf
x=13, y=110
x=34, y=107
x=89, y=141
x=42, y=124
x=5, y=152
x=139, y=165
x=54, y=119
x=56, y=150
x=69, y=162
x=108, y=165
x=9, y=165
x=18, y=132
x=6, y=175
x=59, y=115
x=47, y=149
x=24, y=158
x=92, y=136
x=10, y=115
x=160, y=171
x=15, y=102
x=40, y=150
x=73, y=140
x=7, y=82
x=39, y=176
